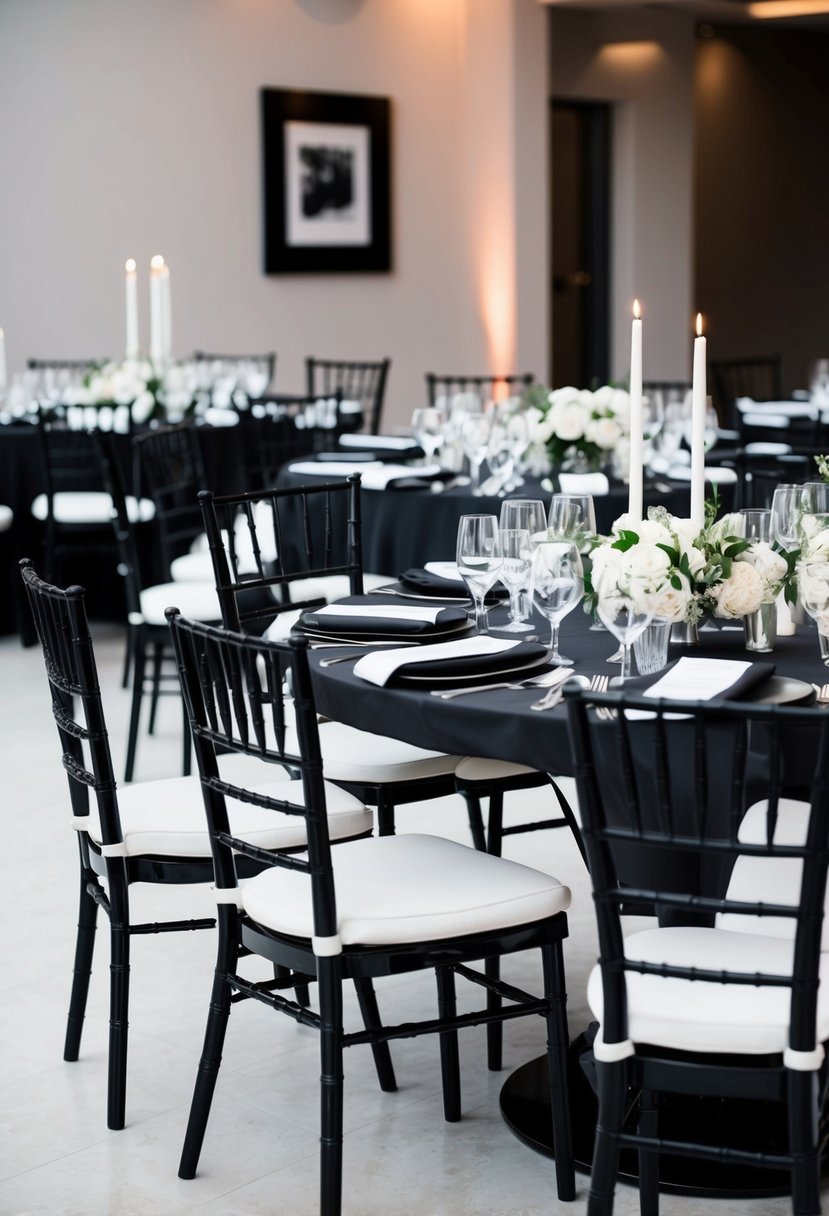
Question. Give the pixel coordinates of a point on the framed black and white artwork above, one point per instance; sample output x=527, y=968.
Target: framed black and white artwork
x=326, y=178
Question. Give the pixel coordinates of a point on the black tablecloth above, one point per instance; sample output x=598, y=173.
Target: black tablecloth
x=500, y=723
x=404, y=528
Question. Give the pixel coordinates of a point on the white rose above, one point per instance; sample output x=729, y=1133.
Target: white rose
x=730, y=525
x=648, y=563
x=768, y=564
x=696, y=560
x=816, y=544
x=669, y=603
x=142, y=407
x=739, y=594
x=620, y=405
x=569, y=421
x=603, y=397
x=563, y=396
x=686, y=531
x=654, y=533
x=604, y=432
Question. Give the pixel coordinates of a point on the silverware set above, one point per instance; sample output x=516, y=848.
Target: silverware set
x=821, y=693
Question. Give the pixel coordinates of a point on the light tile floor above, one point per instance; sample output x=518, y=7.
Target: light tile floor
x=260, y=1156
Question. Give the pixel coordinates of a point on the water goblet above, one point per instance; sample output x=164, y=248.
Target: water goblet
x=557, y=587
x=529, y=513
x=427, y=428
x=479, y=561
x=813, y=591
x=475, y=432
x=573, y=517
x=624, y=613
x=785, y=513
x=517, y=554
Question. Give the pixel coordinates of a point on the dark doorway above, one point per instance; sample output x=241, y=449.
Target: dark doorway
x=580, y=157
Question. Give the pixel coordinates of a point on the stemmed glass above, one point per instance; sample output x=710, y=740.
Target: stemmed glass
x=785, y=513
x=518, y=440
x=624, y=614
x=427, y=428
x=528, y=513
x=475, y=441
x=557, y=587
x=813, y=590
x=653, y=418
x=517, y=554
x=573, y=517
x=479, y=561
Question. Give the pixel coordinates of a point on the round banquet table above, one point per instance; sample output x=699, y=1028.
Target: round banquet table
x=409, y=524
x=501, y=725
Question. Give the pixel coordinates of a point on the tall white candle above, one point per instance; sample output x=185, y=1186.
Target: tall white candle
x=2, y=363
x=132, y=308
x=166, y=315
x=636, y=436
x=699, y=402
x=156, y=322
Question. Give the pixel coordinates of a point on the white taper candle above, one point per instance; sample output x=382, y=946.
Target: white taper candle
x=635, y=506
x=699, y=404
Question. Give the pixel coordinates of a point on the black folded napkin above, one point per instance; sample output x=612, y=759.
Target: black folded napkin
x=375, y=625
x=459, y=667
x=426, y=583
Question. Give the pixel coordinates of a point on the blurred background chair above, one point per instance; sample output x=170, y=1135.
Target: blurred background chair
x=226, y=377
x=757, y=376
x=364, y=383
x=279, y=428
x=485, y=388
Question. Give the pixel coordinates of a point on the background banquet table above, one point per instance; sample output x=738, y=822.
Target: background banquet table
x=402, y=527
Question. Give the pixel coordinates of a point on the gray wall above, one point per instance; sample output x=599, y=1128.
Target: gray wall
x=131, y=127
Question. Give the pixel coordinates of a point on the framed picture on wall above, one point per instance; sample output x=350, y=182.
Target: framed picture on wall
x=326, y=182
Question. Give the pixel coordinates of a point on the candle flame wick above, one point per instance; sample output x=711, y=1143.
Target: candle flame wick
x=156, y=261
x=699, y=324
x=129, y=265
x=637, y=311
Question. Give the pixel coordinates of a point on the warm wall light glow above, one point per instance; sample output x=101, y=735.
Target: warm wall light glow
x=496, y=279
x=766, y=9
x=637, y=311
x=699, y=324
x=129, y=265
x=630, y=55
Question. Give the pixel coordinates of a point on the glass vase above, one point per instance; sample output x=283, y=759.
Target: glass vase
x=761, y=629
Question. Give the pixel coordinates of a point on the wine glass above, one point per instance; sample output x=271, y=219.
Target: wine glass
x=756, y=523
x=529, y=513
x=427, y=428
x=517, y=554
x=573, y=517
x=475, y=431
x=518, y=440
x=813, y=591
x=623, y=612
x=785, y=513
x=557, y=587
x=479, y=561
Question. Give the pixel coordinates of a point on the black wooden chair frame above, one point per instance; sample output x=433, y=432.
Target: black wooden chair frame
x=364, y=381
x=516, y=384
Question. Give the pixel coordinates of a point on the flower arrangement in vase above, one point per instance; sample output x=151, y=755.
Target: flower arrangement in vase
x=576, y=428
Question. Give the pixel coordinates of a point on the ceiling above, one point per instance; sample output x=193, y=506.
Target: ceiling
x=804, y=14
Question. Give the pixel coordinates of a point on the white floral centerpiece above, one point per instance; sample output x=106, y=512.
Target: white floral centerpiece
x=678, y=572
x=575, y=426
x=136, y=383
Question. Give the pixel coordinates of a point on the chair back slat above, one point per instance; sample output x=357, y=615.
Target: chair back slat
x=484, y=387
x=354, y=381
x=707, y=763
x=171, y=472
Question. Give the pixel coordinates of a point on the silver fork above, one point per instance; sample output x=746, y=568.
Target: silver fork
x=601, y=684
x=821, y=694
x=556, y=693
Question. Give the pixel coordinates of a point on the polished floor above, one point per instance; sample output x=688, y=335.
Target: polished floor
x=401, y=1159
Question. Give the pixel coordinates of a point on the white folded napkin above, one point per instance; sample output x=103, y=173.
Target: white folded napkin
x=391, y=443
x=375, y=475
x=584, y=483
x=383, y=612
x=379, y=666
x=776, y=422
x=768, y=449
x=789, y=409
x=351, y=407
x=214, y=416
x=693, y=679
x=713, y=474
x=444, y=570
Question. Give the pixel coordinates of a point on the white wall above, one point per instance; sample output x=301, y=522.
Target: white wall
x=131, y=127
x=643, y=62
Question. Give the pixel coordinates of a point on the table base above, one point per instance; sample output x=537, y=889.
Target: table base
x=525, y=1107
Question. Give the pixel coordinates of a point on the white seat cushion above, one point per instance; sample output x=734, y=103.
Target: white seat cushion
x=773, y=879
x=333, y=587
x=198, y=601
x=710, y=1017
x=6, y=518
x=409, y=888
x=89, y=507
x=480, y=768
x=349, y=754
x=167, y=818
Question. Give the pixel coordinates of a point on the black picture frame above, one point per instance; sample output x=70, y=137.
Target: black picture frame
x=327, y=170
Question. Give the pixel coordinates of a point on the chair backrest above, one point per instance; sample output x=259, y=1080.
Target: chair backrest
x=129, y=566
x=234, y=690
x=758, y=377
x=68, y=457
x=264, y=541
x=63, y=631
x=353, y=381
x=170, y=471
x=484, y=387
x=758, y=474
x=663, y=799
x=245, y=372
x=280, y=428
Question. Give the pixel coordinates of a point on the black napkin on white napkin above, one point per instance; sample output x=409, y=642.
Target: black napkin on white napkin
x=394, y=625
x=525, y=654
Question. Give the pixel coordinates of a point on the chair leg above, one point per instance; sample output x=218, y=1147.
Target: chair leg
x=492, y=966
x=214, y=1037
x=125, y=674
x=331, y=1087
x=803, y=1142
x=119, y=993
x=302, y=992
x=385, y=813
x=648, y=1162
x=367, y=1001
x=138, y=662
x=449, y=1062
x=558, y=1042
x=612, y=1085
x=476, y=819
x=155, y=677
x=84, y=947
